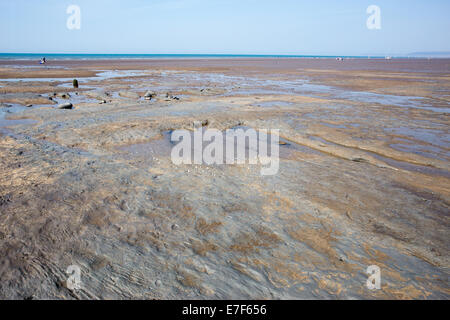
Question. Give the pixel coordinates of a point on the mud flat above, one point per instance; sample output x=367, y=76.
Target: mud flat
x=363, y=180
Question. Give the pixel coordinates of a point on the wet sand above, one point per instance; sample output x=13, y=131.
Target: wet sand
x=363, y=180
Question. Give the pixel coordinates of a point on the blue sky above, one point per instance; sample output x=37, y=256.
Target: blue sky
x=322, y=27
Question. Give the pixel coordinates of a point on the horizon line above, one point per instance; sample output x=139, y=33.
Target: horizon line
x=445, y=54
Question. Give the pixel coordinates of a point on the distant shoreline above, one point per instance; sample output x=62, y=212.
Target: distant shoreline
x=58, y=56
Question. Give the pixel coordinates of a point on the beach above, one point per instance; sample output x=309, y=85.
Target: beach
x=363, y=180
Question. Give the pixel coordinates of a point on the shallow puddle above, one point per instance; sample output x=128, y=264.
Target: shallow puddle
x=393, y=163
x=413, y=167
x=101, y=76
x=162, y=146
x=159, y=147
x=6, y=125
x=423, y=150
x=11, y=123
x=73, y=99
x=287, y=148
x=431, y=136
x=272, y=104
x=332, y=125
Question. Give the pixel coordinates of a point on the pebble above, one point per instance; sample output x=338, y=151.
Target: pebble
x=67, y=105
x=149, y=95
x=208, y=270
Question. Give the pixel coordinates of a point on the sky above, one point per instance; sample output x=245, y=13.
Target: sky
x=298, y=27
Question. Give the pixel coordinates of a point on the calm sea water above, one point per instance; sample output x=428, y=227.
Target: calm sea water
x=58, y=56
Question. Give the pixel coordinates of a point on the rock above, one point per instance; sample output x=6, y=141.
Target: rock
x=67, y=105
x=158, y=283
x=212, y=91
x=124, y=206
x=199, y=124
x=102, y=101
x=65, y=96
x=75, y=83
x=149, y=95
x=6, y=199
x=171, y=97
x=208, y=270
x=359, y=160
x=29, y=105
